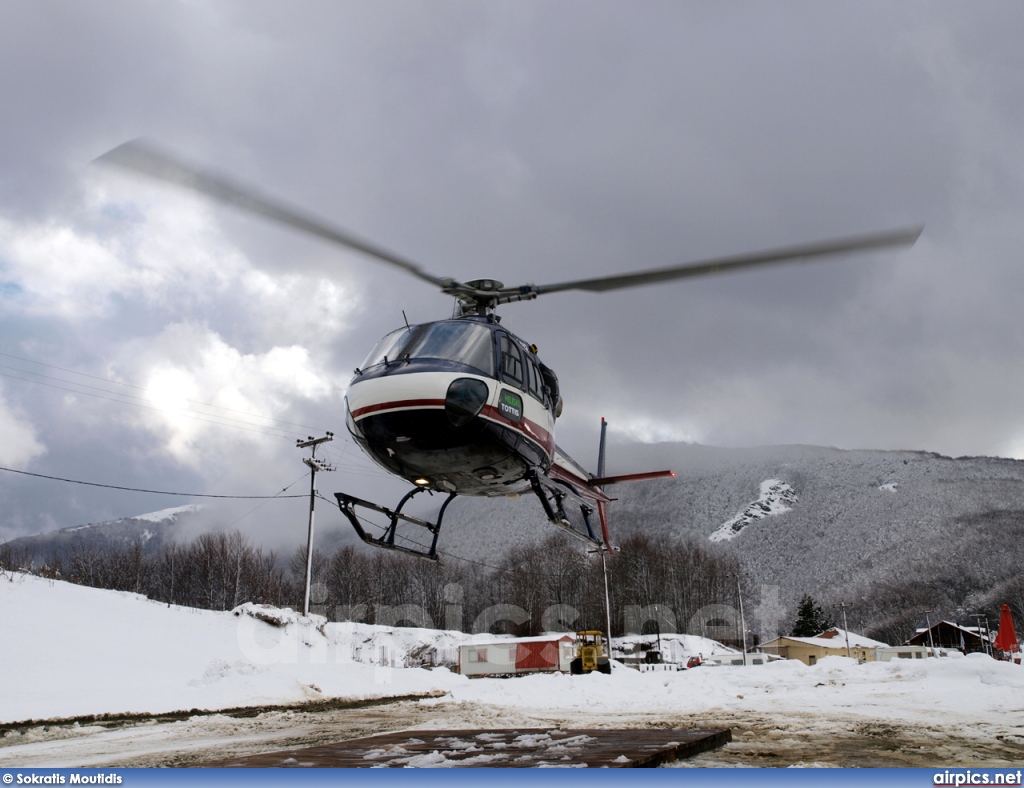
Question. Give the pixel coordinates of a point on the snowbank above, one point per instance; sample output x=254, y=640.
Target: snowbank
x=74, y=651
x=971, y=689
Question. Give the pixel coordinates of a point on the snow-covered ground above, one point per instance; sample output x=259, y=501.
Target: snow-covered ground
x=71, y=651
x=74, y=651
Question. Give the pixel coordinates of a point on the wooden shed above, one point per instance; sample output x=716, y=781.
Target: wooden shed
x=949, y=635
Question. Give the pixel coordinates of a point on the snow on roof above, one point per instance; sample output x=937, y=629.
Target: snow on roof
x=972, y=631
x=836, y=638
x=487, y=639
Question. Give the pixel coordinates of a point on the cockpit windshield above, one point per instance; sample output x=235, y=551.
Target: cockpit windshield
x=450, y=340
x=386, y=349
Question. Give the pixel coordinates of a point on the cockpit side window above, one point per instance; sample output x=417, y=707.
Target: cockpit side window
x=533, y=378
x=511, y=362
x=550, y=383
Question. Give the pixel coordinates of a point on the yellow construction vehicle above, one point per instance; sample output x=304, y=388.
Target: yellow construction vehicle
x=590, y=654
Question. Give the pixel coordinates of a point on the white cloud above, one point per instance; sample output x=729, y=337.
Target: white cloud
x=245, y=393
x=18, y=440
x=651, y=429
x=163, y=251
x=73, y=272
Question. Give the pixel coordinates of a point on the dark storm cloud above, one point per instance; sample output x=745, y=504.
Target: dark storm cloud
x=531, y=142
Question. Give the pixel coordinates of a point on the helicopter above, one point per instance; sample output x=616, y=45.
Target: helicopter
x=463, y=406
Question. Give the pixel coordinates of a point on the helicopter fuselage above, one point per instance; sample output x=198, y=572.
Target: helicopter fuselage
x=459, y=406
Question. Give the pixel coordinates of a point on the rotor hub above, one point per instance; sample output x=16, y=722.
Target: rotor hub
x=485, y=285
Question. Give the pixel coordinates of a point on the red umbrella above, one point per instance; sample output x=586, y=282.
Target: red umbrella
x=1006, y=638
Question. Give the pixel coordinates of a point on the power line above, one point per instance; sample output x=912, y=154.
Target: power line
x=211, y=418
x=153, y=492
x=70, y=371
x=259, y=429
x=354, y=466
x=264, y=503
x=253, y=428
x=133, y=386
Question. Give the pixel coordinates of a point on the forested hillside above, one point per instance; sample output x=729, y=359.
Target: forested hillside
x=888, y=534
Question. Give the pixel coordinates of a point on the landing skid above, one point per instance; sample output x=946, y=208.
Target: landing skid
x=553, y=496
x=349, y=503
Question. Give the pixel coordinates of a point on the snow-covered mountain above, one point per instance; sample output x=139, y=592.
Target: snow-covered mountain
x=893, y=532
x=151, y=530
x=890, y=533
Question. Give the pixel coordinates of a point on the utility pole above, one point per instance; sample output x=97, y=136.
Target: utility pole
x=607, y=599
x=977, y=619
x=846, y=630
x=604, y=548
x=314, y=465
x=931, y=639
x=743, y=623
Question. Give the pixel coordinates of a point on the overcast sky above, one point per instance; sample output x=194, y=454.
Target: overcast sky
x=524, y=141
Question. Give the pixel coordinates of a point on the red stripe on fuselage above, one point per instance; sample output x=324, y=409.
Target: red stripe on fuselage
x=530, y=429
x=405, y=403
x=526, y=427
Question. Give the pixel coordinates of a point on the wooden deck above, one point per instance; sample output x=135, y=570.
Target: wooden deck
x=524, y=747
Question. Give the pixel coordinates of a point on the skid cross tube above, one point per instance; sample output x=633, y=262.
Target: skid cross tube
x=349, y=503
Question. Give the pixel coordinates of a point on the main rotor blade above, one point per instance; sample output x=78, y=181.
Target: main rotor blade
x=145, y=159
x=773, y=256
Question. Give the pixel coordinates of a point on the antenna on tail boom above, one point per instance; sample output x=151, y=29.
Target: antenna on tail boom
x=600, y=450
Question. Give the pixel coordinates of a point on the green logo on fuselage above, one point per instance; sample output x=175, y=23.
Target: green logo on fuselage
x=510, y=405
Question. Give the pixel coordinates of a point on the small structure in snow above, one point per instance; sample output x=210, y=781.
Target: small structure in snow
x=543, y=654
x=952, y=636
x=830, y=643
x=739, y=659
x=890, y=653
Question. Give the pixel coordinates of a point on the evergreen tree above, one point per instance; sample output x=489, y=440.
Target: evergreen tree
x=811, y=620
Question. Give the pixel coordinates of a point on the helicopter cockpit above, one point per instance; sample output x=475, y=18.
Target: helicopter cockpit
x=475, y=343
x=461, y=341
